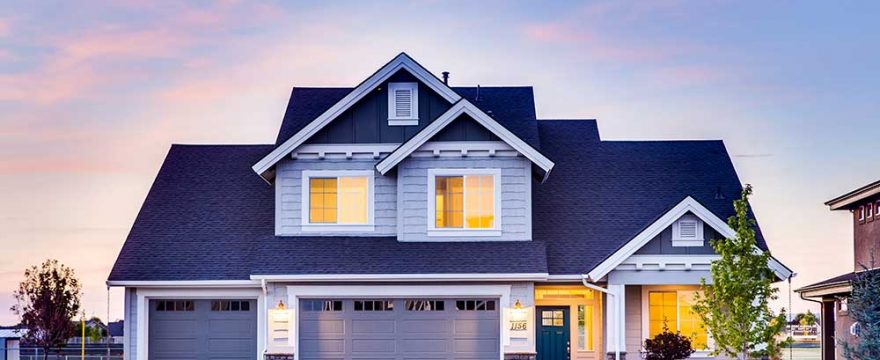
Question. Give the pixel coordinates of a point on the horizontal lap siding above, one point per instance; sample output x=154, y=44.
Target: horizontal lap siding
x=516, y=222
x=289, y=197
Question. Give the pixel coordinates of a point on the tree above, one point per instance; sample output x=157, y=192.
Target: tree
x=864, y=308
x=668, y=345
x=809, y=319
x=47, y=301
x=735, y=308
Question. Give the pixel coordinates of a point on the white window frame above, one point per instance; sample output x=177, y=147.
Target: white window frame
x=869, y=210
x=393, y=119
x=646, y=317
x=862, y=213
x=327, y=227
x=433, y=230
x=678, y=241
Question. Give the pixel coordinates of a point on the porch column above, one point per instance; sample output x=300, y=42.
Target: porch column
x=615, y=329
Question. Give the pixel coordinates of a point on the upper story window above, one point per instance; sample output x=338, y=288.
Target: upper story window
x=687, y=231
x=869, y=212
x=403, y=103
x=337, y=200
x=464, y=202
x=861, y=213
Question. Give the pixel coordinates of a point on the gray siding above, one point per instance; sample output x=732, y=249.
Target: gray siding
x=633, y=323
x=662, y=244
x=131, y=324
x=367, y=121
x=288, y=197
x=516, y=183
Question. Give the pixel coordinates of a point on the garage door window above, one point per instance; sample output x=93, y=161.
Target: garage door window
x=230, y=305
x=373, y=305
x=475, y=305
x=322, y=305
x=175, y=305
x=424, y=305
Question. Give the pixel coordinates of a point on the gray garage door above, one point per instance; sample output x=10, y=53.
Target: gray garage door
x=202, y=329
x=399, y=329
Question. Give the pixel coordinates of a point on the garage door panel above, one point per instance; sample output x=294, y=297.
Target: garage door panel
x=412, y=329
x=202, y=330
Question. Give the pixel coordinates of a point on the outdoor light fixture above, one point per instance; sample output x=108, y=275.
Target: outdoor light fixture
x=517, y=305
x=280, y=314
x=280, y=305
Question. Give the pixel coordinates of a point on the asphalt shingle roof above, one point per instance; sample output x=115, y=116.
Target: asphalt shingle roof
x=208, y=216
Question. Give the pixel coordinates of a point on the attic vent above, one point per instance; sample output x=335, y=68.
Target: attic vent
x=403, y=104
x=687, y=231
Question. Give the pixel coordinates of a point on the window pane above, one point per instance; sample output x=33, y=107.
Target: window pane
x=322, y=200
x=585, y=327
x=661, y=308
x=353, y=200
x=480, y=201
x=689, y=322
x=449, y=201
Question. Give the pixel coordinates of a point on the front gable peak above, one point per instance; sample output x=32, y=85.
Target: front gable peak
x=401, y=62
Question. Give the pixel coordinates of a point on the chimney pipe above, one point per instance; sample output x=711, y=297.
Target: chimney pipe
x=446, y=77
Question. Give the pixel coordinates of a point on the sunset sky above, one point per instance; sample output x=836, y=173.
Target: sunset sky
x=93, y=94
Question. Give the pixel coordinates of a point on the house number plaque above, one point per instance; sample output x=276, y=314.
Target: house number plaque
x=519, y=325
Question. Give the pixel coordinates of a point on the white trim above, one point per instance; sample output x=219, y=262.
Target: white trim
x=680, y=241
x=501, y=292
x=186, y=284
x=691, y=205
x=463, y=107
x=429, y=149
x=145, y=295
x=413, y=119
x=307, y=226
x=837, y=289
x=126, y=324
x=402, y=61
x=667, y=262
x=434, y=231
x=404, y=277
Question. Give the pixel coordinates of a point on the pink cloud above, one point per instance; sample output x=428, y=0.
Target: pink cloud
x=556, y=33
x=4, y=27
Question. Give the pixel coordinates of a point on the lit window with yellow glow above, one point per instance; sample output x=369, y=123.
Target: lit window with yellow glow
x=675, y=309
x=464, y=201
x=338, y=200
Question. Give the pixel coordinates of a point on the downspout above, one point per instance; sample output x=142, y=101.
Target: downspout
x=266, y=313
x=613, y=328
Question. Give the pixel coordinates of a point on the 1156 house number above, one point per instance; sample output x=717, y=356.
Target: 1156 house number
x=518, y=325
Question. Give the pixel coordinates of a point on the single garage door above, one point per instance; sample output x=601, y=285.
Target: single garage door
x=202, y=329
x=399, y=329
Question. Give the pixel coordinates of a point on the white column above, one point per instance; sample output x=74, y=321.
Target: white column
x=615, y=328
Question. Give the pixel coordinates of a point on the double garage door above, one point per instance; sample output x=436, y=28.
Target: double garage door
x=202, y=329
x=399, y=329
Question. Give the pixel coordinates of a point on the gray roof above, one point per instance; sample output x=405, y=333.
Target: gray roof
x=209, y=217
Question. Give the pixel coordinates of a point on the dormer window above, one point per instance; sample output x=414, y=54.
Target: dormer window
x=687, y=231
x=403, y=104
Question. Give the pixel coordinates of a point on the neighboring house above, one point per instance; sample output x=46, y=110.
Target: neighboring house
x=864, y=204
x=117, y=331
x=405, y=218
x=10, y=343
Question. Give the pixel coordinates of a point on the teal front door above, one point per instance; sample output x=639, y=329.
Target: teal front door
x=553, y=334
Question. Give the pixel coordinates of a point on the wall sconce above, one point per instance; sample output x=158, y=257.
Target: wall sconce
x=518, y=312
x=280, y=313
x=280, y=305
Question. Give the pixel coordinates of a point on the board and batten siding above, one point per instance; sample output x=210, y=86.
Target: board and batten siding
x=130, y=325
x=662, y=244
x=516, y=195
x=288, y=197
x=633, y=322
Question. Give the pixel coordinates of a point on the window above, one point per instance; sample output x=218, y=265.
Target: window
x=553, y=318
x=843, y=305
x=230, y=305
x=403, y=104
x=341, y=200
x=321, y=305
x=674, y=309
x=475, y=305
x=877, y=209
x=585, y=327
x=424, y=305
x=175, y=305
x=464, y=200
x=373, y=305
x=687, y=231
x=861, y=213
x=869, y=212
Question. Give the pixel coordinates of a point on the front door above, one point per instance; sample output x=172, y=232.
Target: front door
x=552, y=333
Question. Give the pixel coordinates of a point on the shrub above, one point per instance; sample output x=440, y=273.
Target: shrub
x=668, y=345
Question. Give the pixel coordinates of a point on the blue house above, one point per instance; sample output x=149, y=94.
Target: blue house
x=405, y=218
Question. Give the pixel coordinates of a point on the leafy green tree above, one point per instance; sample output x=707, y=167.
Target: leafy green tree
x=47, y=302
x=735, y=308
x=864, y=309
x=809, y=319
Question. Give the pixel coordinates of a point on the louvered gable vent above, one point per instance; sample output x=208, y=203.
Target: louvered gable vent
x=403, y=104
x=687, y=231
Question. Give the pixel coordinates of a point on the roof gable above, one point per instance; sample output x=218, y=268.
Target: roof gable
x=460, y=108
x=401, y=62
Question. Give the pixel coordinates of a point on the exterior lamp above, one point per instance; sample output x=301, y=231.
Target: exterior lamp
x=280, y=313
x=518, y=313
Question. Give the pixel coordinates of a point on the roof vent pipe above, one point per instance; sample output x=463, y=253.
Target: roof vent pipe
x=446, y=77
x=478, y=93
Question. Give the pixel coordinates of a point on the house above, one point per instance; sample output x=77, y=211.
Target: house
x=10, y=342
x=404, y=218
x=864, y=205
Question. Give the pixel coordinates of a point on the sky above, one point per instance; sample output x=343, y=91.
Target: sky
x=92, y=95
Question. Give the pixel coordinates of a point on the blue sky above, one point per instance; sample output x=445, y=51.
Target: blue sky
x=93, y=94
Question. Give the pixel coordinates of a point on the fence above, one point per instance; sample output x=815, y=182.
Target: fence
x=69, y=353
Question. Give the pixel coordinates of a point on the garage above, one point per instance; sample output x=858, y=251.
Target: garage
x=399, y=329
x=202, y=329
